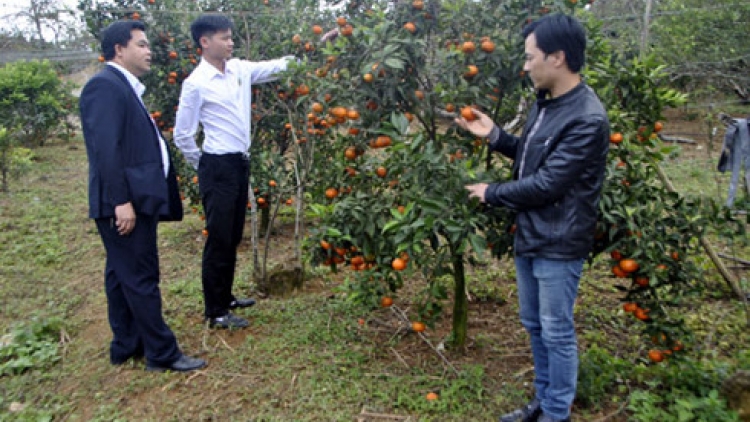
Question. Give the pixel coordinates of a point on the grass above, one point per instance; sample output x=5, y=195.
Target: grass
x=305, y=357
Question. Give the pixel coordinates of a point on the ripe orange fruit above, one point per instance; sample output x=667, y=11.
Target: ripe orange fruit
x=471, y=71
x=347, y=30
x=261, y=201
x=641, y=314
x=386, y=301
x=419, y=94
x=642, y=281
x=352, y=114
x=618, y=272
x=368, y=77
x=317, y=30
x=172, y=55
x=675, y=255
x=317, y=107
x=382, y=141
x=350, y=153
x=341, y=21
x=325, y=245
x=431, y=396
x=296, y=39
x=195, y=179
x=409, y=26
x=381, y=172
x=615, y=138
x=630, y=307
x=629, y=265
x=272, y=183
x=658, y=126
x=468, y=47
x=487, y=46
x=136, y=16
x=616, y=255
x=468, y=114
x=332, y=193
x=339, y=112
x=418, y=326
x=302, y=90
x=450, y=108
x=656, y=356
x=398, y=264
x=101, y=59
x=401, y=209
x=204, y=232
x=418, y=4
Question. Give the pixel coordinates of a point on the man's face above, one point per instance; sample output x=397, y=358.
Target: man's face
x=539, y=66
x=136, y=55
x=218, y=46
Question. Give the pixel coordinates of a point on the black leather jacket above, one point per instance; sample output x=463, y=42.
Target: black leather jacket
x=557, y=175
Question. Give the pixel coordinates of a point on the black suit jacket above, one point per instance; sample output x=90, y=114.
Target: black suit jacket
x=125, y=161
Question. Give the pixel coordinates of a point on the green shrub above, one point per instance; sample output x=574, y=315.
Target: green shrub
x=599, y=373
x=32, y=345
x=681, y=391
x=679, y=405
x=34, y=100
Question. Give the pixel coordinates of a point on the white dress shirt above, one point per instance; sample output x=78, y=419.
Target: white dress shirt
x=221, y=103
x=139, y=89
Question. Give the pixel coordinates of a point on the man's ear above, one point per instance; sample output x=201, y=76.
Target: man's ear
x=558, y=57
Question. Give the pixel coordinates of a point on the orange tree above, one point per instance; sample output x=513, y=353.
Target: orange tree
x=391, y=180
x=650, y=231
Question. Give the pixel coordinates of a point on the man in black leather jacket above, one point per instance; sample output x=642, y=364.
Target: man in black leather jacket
x=557, y=178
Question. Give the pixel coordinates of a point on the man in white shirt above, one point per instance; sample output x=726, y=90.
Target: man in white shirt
x=217, y=95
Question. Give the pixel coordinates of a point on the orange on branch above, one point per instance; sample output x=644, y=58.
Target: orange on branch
x=468, y=114
x=629, y=265
x=398, y=264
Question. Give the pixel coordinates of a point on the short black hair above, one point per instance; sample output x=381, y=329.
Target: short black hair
x=118, y=33
x=560, y=32
x=209, y=24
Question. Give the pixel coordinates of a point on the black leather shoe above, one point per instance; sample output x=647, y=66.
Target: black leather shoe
x=228, y=321
x=545, y=418
x=241, y=303
x=528, y=413
x=183, y=364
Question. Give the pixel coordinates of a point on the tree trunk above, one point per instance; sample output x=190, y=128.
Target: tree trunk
x=460, y=302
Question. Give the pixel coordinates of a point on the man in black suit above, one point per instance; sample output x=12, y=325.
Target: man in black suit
x=132, y=185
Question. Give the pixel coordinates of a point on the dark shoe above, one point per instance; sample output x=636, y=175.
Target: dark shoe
x=528, y=413
x=241, y=303
x=228, y=321
x=545, y=418
x=183, y=364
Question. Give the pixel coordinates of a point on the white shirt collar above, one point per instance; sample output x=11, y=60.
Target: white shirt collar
x=138, y=87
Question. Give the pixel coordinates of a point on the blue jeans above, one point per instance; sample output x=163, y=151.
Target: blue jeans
x=547, y=291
